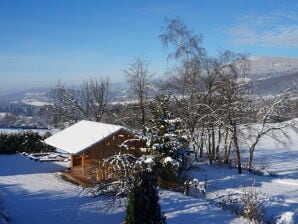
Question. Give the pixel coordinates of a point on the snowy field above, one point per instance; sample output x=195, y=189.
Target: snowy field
x=280, y=188
x=33, y=192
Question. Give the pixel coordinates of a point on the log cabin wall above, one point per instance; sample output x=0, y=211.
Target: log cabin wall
x=110, y=146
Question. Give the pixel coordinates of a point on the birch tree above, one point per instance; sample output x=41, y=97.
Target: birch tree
x=185, y=47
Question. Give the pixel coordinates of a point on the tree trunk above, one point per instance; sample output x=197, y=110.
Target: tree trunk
x=143, y=117
x=237, y=148
x=229, y=152
x=195, y=151
x=251, y=153
x=218, y=143
x=209, y=147
x=238, y=158
x=202, y=142
x=213, y=142
x=226, y=157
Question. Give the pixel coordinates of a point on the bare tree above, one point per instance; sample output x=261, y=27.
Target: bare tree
x=9, y=119
x=138, y=76
x=267, y=115
x=187, y=45
x=89, y=101
x=234, y=96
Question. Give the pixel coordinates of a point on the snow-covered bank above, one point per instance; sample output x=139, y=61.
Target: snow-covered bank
x=281, y=189
x=34, y=193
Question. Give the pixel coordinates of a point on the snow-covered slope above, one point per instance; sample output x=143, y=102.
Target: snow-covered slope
x=280, y=189
x=270, y=75
x=34, y=193
x=35, y=97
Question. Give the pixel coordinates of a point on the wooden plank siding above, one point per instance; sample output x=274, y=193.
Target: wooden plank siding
x=110, y=146
x=86, y=164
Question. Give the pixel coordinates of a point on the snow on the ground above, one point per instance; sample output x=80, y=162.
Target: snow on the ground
x=35, y=102
x=2, y=115
x=34, y=193
x=179, y=209
x=286, y=218
x=280, y=188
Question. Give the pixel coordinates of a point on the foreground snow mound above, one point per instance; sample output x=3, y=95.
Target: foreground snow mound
x=287, y=218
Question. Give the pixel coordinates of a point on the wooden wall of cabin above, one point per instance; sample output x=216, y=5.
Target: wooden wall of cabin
x=110, y=146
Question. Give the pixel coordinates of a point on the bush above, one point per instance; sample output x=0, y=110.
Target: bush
x=26, y=141
x=247, y=203
x=118, y=183
x=143, y=206
x=195, y=188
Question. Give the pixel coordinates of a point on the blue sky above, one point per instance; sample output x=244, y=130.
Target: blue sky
x=42, y=41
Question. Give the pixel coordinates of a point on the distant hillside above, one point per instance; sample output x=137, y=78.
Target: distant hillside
x=265, y=67
x=39, y=96
x=272, y=74
x=269, y=74
x=272, y=86
x=36, y=97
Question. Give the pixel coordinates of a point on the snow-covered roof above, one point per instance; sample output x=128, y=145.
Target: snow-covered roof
x=81, y=136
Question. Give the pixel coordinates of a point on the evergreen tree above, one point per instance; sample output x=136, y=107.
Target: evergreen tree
x=143, y=206
x=166, y=134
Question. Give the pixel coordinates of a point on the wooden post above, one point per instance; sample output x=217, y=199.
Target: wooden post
x=97, y=174
x=83, y=165
x=71, y=160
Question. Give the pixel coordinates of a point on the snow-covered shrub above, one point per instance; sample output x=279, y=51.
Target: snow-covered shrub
x=118, y=181
x=121, y=165
x=195, y=188
x=26, y=141
x=148, y=161
x=115, y=189
x=249, y=203
x=252, y=200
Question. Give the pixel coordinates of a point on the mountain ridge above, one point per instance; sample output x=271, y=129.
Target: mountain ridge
x=268, y=74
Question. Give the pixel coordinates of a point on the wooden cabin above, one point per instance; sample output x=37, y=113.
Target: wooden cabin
x=90, y=143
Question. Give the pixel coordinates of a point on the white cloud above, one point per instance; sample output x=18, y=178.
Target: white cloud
x=277, y=29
